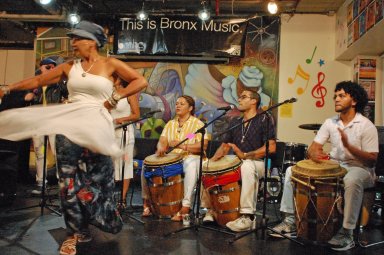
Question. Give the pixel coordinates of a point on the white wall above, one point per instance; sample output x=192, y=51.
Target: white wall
x=300, y=34
x=16, y=65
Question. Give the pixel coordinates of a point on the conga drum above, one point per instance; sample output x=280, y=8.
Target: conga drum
x=165, y=183
x=221, y=180
x=317, y=189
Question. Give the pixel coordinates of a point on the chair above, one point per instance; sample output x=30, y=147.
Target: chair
x=373, y=199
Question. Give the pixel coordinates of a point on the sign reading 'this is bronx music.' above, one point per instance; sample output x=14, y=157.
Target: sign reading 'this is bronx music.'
x=178, y=35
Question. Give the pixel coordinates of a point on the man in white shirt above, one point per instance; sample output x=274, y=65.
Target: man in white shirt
x=354, y=144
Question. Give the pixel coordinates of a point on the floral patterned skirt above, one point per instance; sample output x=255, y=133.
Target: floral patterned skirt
x=86, y=188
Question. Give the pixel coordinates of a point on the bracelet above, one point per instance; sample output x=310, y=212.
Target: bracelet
x=245, y=155
x=6, y=90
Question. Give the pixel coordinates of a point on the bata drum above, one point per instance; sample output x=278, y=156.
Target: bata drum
x=317, y=189
x=221, y=180
x=165, y=183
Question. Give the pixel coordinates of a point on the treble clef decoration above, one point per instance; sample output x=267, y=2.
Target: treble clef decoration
x=319, y=91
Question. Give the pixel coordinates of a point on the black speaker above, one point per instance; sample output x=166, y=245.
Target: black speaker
x=144, y=147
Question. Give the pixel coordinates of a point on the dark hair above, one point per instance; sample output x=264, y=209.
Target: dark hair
x=190, y=101
x=357, y=92
x=254, y=95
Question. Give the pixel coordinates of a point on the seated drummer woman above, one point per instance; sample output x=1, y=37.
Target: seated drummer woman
x=175, y=131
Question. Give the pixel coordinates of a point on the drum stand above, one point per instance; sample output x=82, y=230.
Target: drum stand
x=43, y=201
x=264, y=222
x=196, y=224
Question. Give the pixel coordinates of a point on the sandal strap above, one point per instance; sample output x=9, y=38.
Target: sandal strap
x=68, y=247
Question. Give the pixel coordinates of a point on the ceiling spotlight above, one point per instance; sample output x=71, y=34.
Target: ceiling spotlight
x=73, y=18
x=204, y=14
x=142, y=14
x=45, y=2
x=272, y=7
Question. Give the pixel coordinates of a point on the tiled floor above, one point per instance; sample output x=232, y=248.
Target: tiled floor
x=27, y=232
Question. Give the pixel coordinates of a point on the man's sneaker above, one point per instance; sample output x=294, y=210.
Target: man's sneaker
x=83, y=237
x=342, y=241
x=208, y=218
x=283, y=228
x=37, y=190
x=243, y=223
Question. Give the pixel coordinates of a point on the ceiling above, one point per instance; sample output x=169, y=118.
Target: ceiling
x=103, y=10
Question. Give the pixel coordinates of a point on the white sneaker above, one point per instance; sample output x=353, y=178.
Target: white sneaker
x=283, y=228
x=208, y=218
x=243, y=223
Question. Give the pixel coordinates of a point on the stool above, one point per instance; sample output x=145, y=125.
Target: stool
x=370, y=201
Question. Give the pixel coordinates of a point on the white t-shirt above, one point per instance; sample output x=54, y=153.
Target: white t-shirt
x=361, y=133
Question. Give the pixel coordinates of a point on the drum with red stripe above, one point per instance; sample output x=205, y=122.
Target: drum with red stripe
x=221, y=179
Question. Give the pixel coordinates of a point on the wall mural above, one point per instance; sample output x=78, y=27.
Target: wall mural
x=212, y=86
x=302, y=78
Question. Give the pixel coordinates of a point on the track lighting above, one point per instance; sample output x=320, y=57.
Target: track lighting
x=204, y=13
x=73, y=18
x=272, y=7
x=142, y=14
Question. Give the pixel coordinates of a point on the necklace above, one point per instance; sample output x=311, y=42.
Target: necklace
x=181, y=125
x=244, y=131
x=85, y=72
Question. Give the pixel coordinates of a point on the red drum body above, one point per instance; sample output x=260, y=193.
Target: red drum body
x=221, y=180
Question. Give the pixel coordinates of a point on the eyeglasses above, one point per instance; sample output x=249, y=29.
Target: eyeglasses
x=243, y=97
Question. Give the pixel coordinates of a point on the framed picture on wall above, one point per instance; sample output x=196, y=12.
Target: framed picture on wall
x=362, y=5
x=350, y=35
x=370, y=16
x=356, y=5
x=367, y=69
x=350, y=13
x=369, y=87
x=378, y=10
x=356, y=34
x=362, y=23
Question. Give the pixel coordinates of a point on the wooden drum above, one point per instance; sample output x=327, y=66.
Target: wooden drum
x=221, y=179
x=317, y=189
x=165, y=183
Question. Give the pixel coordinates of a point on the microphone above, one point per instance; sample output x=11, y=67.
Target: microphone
x=226, y=108
x=152, y=112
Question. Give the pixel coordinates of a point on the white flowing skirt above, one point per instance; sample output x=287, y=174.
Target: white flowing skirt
x=87, y=124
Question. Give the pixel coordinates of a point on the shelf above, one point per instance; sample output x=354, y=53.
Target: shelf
x=370, y=44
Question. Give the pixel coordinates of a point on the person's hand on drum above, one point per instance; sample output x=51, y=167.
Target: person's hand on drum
x=237, y=151
x=161, y=150
x=221, y=152
x=318, y=155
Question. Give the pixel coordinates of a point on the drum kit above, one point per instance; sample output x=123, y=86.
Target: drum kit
x=317, y=187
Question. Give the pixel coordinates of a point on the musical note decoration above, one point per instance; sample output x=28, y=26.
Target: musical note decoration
x=302, y=74
x=321, y=62
x=319, y=91
x=309, y=60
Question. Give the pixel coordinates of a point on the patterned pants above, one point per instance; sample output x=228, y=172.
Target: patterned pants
x=86, y=188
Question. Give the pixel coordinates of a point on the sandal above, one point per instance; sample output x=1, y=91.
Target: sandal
x=68, y=247
x=147, y=212
x=177, y=217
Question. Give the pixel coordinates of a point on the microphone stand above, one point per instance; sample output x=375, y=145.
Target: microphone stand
x=197, y=224
x=264, y=222
x=43, y=200
x=124, y=142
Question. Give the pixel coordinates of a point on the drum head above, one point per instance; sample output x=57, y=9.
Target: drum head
x=224, y=164
x=154, y=160
x=326, y=168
